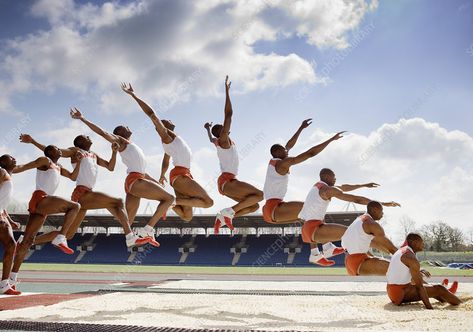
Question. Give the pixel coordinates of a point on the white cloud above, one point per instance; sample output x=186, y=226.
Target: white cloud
x=159, y=45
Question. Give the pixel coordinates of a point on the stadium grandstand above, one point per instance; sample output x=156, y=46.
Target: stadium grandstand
x=252, y=243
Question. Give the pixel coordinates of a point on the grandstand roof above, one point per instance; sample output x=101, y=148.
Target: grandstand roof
x=199, y=221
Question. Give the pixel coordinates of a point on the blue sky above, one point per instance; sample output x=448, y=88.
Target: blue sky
x=413, y=62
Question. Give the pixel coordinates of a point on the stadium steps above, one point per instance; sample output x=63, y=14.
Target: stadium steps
x=238, y=249
x=187, y=248
x=89, y=246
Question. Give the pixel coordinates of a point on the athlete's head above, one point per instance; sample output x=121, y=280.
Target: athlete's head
x=328, y=176
x=415, y=241
x=122, y=131
x=217, y=130
x=168, y=124
x=83, y=142
x=7, y=162
x=279, y=151
x=375, y=210
x=52, y=152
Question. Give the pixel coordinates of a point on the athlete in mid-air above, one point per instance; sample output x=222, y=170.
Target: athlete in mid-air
x=244, y=193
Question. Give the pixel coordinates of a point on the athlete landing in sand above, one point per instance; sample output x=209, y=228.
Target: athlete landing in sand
x=138, y=183
x=84, y=194
x=188, y=192
x=245, y=194
x=405, y=283
x=315, y=230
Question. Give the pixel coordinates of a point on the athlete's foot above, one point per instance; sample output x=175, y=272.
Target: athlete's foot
x=146, y=234
x=331, y=250
x=454, y=287
x=135, y=241
x=7, y=289
x=218, y=223
x=60, y=242
x=321, y=260
x=445, y=282
x=228, y=215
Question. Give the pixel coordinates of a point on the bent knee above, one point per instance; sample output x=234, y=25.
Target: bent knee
x=208, y=202
x=74, y=206
x=119, y=203
x=260, y=195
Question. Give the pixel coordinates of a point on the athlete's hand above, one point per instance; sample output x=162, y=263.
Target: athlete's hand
x=128, y=89
x=429, y=307
x=227, y=84
x=338, y=135
x=391, y=204
x=371, y=185
x=25, y=138
x=15, y=225
x=162, y=180
x=208, y=125
x=76, y=114
x=115, y=146
x=425, y=273
x=306, y=123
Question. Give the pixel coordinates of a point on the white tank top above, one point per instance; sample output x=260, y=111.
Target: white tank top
x=179, y=151
x=48, y=180
x=275, y=185
x=315, y=207
x=6, y=190
x=134, y=158
x=88, y=170
x=228, y=158
x=398, y=273
x=356, y=240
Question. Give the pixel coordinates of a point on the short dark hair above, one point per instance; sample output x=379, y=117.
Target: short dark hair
x=325, y=171
x=77, y=140
x=411, y=237
x=216, y=129
x=274, y=148
x=374, y=205
x=3, y=160
x=118, y=129
x=48, y=150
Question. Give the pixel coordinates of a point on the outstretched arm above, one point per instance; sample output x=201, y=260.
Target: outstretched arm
x=330, y=192
x=290, y=144
x=414, y=267
x=110, y=165
x=351, y=187
x=164, y=168
x=224, y=140
x=65, y=153
x=40, y=162
x=162, y=131
x=207, y=127
x=76, y=114
x=284, y=165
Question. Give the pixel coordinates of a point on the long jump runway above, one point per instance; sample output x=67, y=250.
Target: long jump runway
x=80, y=301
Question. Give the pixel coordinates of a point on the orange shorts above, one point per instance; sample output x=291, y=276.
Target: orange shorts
x=222, y=179
x=269, y=207
x=37, y=197
x=308, y=229
x=353, y=263
x=78, y=192
x=179, y=171
x=131, y=178
x=396, y=293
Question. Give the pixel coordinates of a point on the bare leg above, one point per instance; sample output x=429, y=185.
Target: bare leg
x=247, y=210
x=328, y=233
x=150, y=190
x=374, y=266
x=35, y=222
x=197, y=196
x=132, y=203
x=9, y=245
x=288, y=212
x=245, y=194
x=48, y=237
x=437, y=292
x=184, y=212
x=53, y=204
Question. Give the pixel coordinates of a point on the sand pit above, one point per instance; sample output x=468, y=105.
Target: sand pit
x=305, y=313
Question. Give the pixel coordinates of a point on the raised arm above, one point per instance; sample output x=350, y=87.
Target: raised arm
x=65, y=153
x=164, y=169
x=283, y=166
x=351, y=187
x=330, y=192
x=73, y=175
x=380, y=240
x=207, y=127
x=76, y=114
x=224, y=139
x=162, y=131
x=414, y=267
x=40, y=162
x=290, y=144
x=110, y=165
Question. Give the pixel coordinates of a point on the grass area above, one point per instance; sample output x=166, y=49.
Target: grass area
x=240, y=270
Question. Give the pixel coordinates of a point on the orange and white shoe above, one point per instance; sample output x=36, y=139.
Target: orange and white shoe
x=7, y=289
x=60, y=242
x=136, y=241
x=331, y=250
x=445, y=282
x=218, y=223
x=143, y=233
x=322, y=261
x=228, y=215
x=454, y=287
